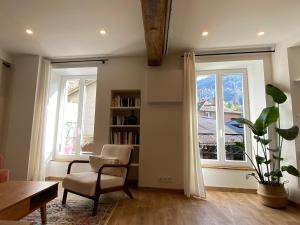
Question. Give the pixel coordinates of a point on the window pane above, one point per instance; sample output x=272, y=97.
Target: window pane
x=70, y=117
x=206, y=105
x=88, y=120
x=233, y=106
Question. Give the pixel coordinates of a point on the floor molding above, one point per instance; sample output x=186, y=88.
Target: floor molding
x=294, y=204
x=180, y=191
x=156, y=189
x=227, y=189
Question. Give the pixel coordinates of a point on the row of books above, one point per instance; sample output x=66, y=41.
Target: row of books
x=124, y=120
x=124, y=137
x=119, y=101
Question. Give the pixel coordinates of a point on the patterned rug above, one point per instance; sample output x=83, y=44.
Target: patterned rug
x=75, y=212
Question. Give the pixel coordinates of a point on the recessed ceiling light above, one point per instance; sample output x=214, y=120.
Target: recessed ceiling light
x=28, y=31
x=261, y=33
x=204, y=33
x=103, y=32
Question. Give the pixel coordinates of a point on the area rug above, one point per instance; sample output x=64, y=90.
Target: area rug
x=75, y=212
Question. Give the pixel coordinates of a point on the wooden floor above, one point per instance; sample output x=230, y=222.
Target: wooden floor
x=220, y=208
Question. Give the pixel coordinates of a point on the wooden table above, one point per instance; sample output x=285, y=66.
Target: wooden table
x=7, y=222
x=19, y=198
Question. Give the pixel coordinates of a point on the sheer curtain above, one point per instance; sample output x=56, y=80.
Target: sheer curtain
x=37, y=157
x=193, y=177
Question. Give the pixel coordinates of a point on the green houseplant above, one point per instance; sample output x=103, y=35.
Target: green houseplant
x=268, y=160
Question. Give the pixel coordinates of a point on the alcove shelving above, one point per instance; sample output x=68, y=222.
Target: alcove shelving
x=124, y=126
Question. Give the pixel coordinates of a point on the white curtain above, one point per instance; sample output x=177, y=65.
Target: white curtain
x=193, y=178
x=37, y=157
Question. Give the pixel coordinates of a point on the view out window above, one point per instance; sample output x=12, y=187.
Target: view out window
x=76, y=114
x=221, y=95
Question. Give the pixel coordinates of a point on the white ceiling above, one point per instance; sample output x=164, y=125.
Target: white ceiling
x=70, y=28
x=232, y=23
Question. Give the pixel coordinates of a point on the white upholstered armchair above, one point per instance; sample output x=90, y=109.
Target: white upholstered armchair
x=109, y=172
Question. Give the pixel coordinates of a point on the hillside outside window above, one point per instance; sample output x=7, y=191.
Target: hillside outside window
x=222, y=95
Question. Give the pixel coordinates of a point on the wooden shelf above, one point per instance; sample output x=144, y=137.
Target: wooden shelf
x=124, y=104
x=125, y=108
x=128, y=144
x=124, y=125
x=135, y=164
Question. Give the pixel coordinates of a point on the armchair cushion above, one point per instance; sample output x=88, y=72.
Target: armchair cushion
x=85, y=182
x=122, y=152
x=97, y=161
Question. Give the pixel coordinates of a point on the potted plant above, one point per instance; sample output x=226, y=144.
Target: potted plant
x=268, y=160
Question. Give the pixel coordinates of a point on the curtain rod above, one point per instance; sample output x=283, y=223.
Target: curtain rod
x=75, y=61
x=234, y=53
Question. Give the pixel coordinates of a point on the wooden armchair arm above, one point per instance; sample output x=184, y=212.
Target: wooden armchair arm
x=76, y=161
x=126, y=166
x=112, y=165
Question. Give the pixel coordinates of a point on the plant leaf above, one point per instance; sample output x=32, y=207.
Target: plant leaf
x=276, y=173
x=246, y=122
x=267, y=174
x=276, y=157
x=277, y=95
x=288, y=134
x=260, y=159
x=268, y=161
x=268, y=116
x=262, y=140
x=291, y=170
x=240, y=145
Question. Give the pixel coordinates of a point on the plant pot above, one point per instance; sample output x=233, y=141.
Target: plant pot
x=272, y=196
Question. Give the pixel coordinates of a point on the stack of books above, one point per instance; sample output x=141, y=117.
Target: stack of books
x=120, y=101
x=124, y=137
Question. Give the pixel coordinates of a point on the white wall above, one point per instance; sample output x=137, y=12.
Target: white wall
x=160, y=151
x=21, y=103
x=5, y=80
x=161, y=131
x=294, y=157
x=282, y=78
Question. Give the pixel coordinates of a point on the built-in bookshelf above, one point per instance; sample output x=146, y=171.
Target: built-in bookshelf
x=124, y=126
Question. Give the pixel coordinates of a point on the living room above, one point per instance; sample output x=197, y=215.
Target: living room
x=167, y=82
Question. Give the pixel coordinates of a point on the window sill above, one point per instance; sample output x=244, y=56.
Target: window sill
x=67, y=160
x=228, y=167
x=61, y=160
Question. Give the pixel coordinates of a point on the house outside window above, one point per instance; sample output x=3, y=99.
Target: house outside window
x=222, y=95
x=76, y=115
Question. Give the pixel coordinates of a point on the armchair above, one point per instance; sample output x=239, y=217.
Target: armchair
x=92, y=184
x=4, y=173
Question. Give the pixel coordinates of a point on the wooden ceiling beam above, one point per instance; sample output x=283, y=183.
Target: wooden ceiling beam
x=156, y=18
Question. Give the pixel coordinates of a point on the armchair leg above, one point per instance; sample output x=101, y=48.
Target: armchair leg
x=64, y=197
x=95, y=208
x=127, y=191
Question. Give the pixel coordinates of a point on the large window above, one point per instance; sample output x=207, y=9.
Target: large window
x=222, y=95
x=76, y=115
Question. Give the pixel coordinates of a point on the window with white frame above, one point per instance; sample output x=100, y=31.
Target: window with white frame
x=76, y=113
x=222, y=95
